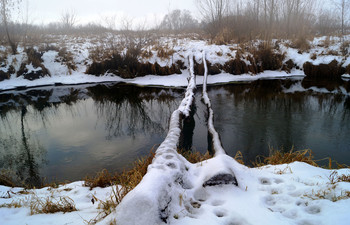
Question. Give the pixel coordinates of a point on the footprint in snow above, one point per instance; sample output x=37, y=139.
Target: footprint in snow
x=313, y=209
x=217, y=202
x=265, y=181
x=278, y=181
x=220, y=212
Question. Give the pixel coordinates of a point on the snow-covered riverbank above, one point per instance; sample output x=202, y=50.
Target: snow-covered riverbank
x=176, y=80
x=80, y=52
x=295, y=193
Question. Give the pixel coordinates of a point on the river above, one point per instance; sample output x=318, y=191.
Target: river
x=64, y=133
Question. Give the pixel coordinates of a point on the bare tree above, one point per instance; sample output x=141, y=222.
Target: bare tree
x=343, y=7
x=110, y=22
x=296, y=14
x=126, y=23
x=326, y=22
x=178, y=20
x=213, y=12
x=68, y=19
x=255, y=9
x=6, y=7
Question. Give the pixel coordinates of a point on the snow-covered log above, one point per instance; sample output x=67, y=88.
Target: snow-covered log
x=151, y=200
x=217, y=146
x=173, y=188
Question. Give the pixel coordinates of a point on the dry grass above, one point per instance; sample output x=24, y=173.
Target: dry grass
x=43, y=205
x=146, y=54
x=279, y=157
x=239, y=157
x=195, y=157
x=267, y=56
x=14, y=204
x=67, y=58
x=51, y=205
x=128, y=178
x=6, y=180
x=344, y=178
x=329, y=192
x=127, y=181
x=165, y=53
x=301, y=43
x=102, y=179
x=344, y=48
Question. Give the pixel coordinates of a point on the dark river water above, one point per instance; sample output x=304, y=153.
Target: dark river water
x=65, y=133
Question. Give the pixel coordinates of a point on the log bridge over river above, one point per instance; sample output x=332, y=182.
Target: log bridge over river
x=172, y=184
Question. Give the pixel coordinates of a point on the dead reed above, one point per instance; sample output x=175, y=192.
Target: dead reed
x=279, y=157
x=51, y=205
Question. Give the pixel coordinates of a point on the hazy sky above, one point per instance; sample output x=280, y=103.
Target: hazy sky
x=45, y=11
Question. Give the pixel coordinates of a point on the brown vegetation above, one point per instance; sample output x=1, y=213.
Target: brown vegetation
x=52, y=205
x=67, y=58
x=128, y=66
x=4, y=76
x=333, y=70
x=267, y=58
x=301, y=43
x=6, y=180
x=237, y=66
x=277, y=157
x=34, y=59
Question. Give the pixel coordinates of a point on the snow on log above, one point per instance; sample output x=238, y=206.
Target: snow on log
x=151, y=201
x=217, y=146
x=173, y=188
x=222, y=174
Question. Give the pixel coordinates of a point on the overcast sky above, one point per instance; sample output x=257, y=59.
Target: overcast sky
x=46, y=11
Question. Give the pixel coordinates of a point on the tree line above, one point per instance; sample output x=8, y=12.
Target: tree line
x=219, y=20
x=250, y=19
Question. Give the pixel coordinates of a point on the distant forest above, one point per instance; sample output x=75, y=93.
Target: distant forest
x=221, y=21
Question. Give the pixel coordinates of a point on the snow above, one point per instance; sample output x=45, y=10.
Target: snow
x=56, y=68
x=76, y=191
x=174, y=190
x=295, y=193
x=183, y=47
x=216, y=140
x=176, y=80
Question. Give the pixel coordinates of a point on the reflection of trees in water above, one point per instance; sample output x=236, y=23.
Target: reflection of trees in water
x=264, y=108
x=29, y=164
x=124, y=110
x=187, y=131
x=21, y=154
x=129, y=110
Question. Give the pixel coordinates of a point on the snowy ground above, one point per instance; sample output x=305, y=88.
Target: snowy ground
x=175, y=191
x=296, y=193
x=323, y=50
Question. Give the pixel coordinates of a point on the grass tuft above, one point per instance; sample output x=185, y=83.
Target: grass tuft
x=51, y=205
x=102, y=179
x=239, y=157
x=6, y=180
x=195, y=157
x=13, y=204
x=278, y=157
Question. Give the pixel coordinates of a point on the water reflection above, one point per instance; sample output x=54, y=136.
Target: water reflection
x=187, y=131
x=131, y=110
x=251, y=117
x=65, y=133
x=21, y=154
